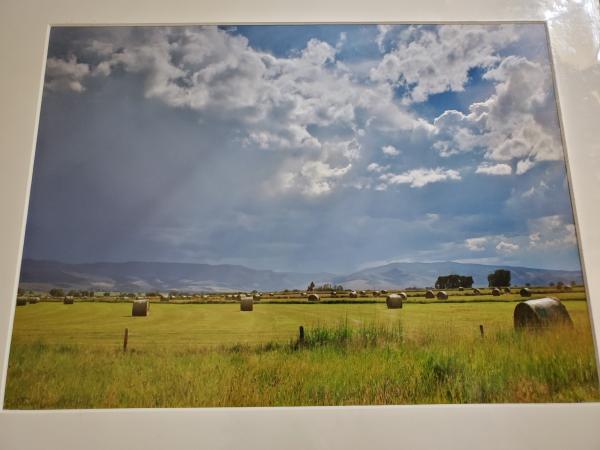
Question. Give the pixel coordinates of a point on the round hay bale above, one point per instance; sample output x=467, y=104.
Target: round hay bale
x=271, y=294
x=476, y=291
x=384, y=292
x=375, y=293
x=246, y=304
x=541, y=312
x=363, y=292
x=442, y=295
x=525, y=292
x=34, y=300
x=256, y=297
x=429, y=294
x=461, y=288
x=394, y=301
x=507, y=290
x=333, y=294
x=496, y=292
x=353, y=294
x=568, y=288
x=140, y=308
x=21, y=301
x=68, y=300
x=313, y=298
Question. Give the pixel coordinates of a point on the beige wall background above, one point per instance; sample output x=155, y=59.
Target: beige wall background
x=574, y=28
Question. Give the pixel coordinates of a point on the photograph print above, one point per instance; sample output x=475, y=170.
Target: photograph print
x=299, y=215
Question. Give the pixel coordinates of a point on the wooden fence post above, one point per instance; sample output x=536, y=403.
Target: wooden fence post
x=481, y=330
x=301, y=335
x=125, y=339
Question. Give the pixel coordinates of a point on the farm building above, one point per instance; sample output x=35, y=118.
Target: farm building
x=542, y=312
x=394, y=301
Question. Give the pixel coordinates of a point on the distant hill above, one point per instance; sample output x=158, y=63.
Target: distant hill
x=160, y=276
x=395, y=275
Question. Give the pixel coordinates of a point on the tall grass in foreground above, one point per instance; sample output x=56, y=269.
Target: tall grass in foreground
x=334, y=365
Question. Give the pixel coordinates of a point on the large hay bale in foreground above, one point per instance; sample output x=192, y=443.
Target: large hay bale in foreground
x=313, y=298
x=476, y=291
x=429, y=294
x=140, y=308
x=496, y=292
x=68, y=300
x=442, y=295
x=541, y=312
x=394, y=301
x=246, y=304
x=21, y=301
x=525, y=292
x=353, y=294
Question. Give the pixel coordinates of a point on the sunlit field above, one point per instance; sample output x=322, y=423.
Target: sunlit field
x=197, y=355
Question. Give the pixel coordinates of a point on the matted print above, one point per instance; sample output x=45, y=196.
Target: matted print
x=296, y=215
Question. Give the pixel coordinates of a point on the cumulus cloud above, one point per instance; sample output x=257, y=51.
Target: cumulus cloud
x=390, y=150
x=428, y=61
x=551, y=232
x=374, y=167
x=66, y=74
x=495, y=169
x=418, y=178
x=301, y=102
x=476, y=244
x=518, y=122
x=507, y=247
x=315, y=178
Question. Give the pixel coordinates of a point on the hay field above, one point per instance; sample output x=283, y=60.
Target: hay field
x=70, y=356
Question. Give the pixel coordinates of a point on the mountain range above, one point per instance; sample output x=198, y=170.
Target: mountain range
x=193, y=277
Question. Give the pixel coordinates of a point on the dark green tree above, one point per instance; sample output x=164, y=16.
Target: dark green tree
x=56, y=293
x=500, y=278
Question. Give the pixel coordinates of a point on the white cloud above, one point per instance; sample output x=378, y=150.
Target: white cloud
x=496, y=169
x=65, y=75
x=374, y=167
x=507, y=247
x=476, y=244
x=315, y=178
x=390, y=150
x=427, y=62
x=517, y=122
x=418, y=178
x=306, y=102
x=551, y=232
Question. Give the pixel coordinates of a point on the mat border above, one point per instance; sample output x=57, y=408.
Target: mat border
x=574, y=35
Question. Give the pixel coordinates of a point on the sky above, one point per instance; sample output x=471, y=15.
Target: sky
x=301, y=148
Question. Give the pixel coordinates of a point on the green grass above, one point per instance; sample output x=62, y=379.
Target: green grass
x=70, y=356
